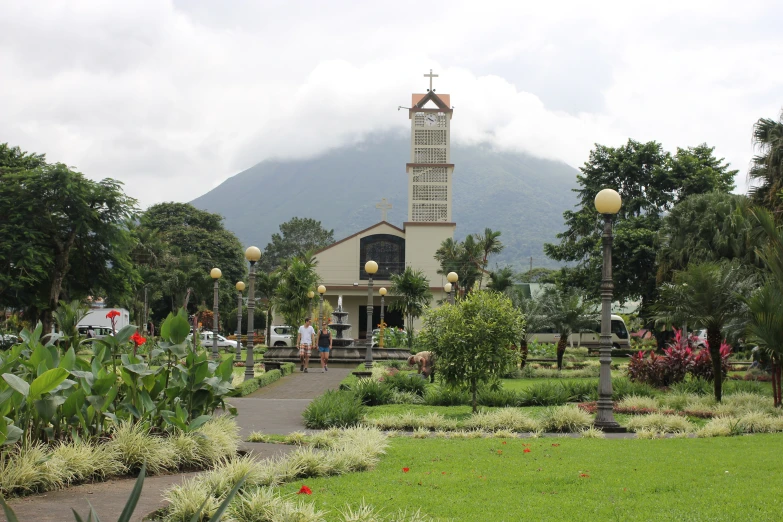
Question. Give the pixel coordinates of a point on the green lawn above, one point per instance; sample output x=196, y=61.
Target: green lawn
x=568, y=479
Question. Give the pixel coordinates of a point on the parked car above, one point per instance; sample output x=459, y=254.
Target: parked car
x=281, y=335
x=701, y=338
x=9, y=340
x=205, y=339
x=99, y=331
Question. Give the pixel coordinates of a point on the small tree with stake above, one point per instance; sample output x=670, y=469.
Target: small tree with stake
x=471, y=339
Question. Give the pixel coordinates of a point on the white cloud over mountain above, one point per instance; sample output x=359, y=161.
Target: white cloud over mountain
x=173, y=97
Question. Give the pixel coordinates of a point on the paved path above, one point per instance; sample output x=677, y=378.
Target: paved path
x=276, y=409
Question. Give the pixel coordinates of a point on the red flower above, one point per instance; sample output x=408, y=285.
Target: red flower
x=555, y=445
x=584, y=475
x=503, y=442
x=304, y=490
x=500, y=452
x=137, y=339
x=527, y=450
x=112, y=314
x=405, y=470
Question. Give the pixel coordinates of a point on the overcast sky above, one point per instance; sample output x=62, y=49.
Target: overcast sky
x=174, y=97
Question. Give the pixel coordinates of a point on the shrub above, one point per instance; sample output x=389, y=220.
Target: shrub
x=622, y=388
x=732, y=387
x=543, y=394
x=135, y=447
x=80, y=460
x=407, y=382
x=697, y=386
x=333, y=409
x=592, y=433
x=249, y=386
x=217, y=439
x=661, y=423
x=634, y=402
x=566, y=419
x=26, y=469
x=508, y=419
x=497, y=398
x=446, y=396
x=404, y=397
x=372, y=393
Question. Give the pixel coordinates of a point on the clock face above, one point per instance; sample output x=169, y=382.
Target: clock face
x=430, y=119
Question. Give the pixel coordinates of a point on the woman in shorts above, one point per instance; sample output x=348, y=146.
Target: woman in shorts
x=324, y=345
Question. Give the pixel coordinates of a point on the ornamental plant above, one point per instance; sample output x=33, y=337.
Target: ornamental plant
x=470, y=339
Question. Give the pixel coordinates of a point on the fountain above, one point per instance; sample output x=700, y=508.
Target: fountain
x=344, y=349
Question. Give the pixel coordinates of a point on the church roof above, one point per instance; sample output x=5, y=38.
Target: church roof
x=359, y=233
x=443, y=101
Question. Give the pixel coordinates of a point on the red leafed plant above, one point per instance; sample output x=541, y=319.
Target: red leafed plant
x=679, y=359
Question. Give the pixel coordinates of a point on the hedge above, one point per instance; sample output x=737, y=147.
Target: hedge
x=248, y=387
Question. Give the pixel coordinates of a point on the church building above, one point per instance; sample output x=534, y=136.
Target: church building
x=429, y=175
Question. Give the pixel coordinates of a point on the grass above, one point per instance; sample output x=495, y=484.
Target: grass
x=566, y=479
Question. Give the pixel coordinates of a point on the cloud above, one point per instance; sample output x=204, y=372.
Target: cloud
x=174, y=97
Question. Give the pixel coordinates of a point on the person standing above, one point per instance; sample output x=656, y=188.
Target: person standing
x=324, y=345
x=304, y=340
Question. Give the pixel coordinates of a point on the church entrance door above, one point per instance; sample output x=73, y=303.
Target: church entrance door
x=392, y=318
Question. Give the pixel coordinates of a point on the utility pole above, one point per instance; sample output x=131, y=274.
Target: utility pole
x=531, y=262
x=145, y=311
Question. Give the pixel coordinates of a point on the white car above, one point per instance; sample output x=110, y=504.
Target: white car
x=205, y=338
x=281, y=335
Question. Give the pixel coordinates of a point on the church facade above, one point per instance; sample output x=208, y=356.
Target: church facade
x=429, y=177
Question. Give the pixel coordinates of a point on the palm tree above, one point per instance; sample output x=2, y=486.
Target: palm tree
x=765, y=329
x=767, y=166
x=535, y=321
x=462, y=257
x=501, y=280
x=708, y=295
x=266, y=288
x=566, y=311
x=488, y=243
x=67, y=316
x=297, y=278
x=765, y=317
x=413, y=290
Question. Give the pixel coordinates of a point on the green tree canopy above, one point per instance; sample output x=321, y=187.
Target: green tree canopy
x=462, y=257
x=706, y=227
x=63, y=235
x=706, y=295
x=297, y=237
x=471, y=339
x=195, y=242
x=413, y=291
x=297, y=278
x=650, y=181
x=566, y=311
x=766, y=170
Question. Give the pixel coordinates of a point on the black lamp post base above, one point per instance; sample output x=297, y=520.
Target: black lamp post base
x=610, y=427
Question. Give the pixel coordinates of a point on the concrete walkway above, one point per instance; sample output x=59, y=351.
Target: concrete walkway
x=275, y=409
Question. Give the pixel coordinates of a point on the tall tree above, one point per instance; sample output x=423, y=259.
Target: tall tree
x=462, y=257
x=196, y=241
x=297, y=277
x=413, y=291
x=502, y=279
x=297, y=236
x=767, y=166
x=707, y=295
x=471, y=339
x=567, y=312
x=650, y=181
x=63, y=235
x=489, y=243
x=266, y=288
x=706, y=227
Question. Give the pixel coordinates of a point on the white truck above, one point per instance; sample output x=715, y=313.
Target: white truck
x=98, y=318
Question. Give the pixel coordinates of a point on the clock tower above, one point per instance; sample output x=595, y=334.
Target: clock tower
x=429, y=179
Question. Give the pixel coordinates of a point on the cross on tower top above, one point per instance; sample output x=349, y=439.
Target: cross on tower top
x=383, y=206
x=430, y=76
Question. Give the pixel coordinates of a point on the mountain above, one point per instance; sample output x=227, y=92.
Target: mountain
x=522, y=196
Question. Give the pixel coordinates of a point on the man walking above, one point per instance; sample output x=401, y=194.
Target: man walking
x=304, y=340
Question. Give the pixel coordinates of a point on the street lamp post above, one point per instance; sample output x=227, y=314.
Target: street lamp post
x=321, y=292
x=240, y=286
x=370, y=267
x=252, y=254
x=447, y=289
x=215, y=273
x=608, y=203
x=382, y=291
x=452, y=278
